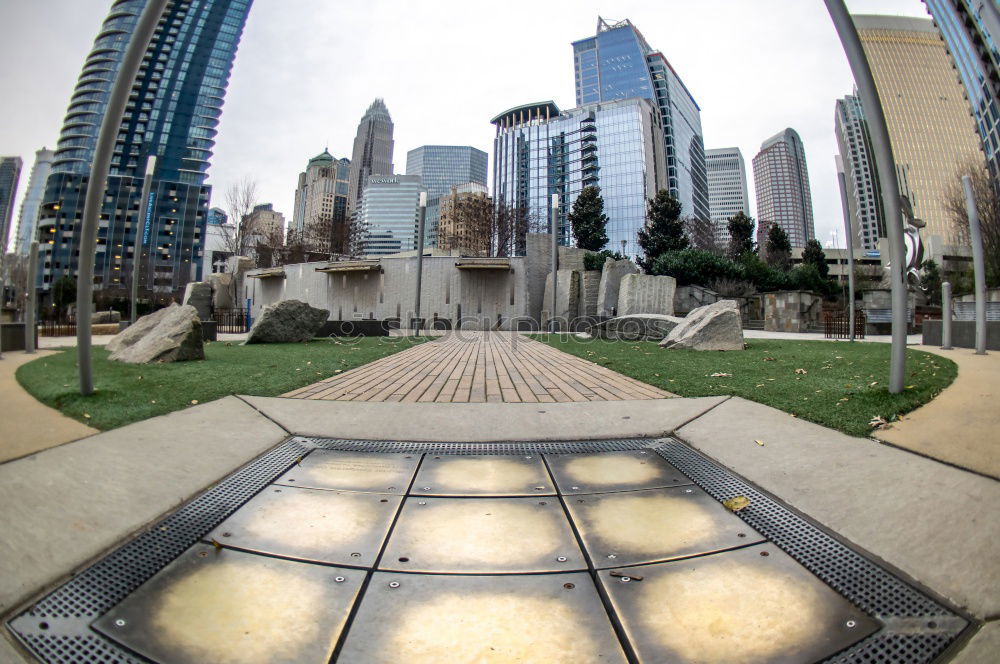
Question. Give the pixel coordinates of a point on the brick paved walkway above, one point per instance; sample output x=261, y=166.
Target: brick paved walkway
x=479, y=367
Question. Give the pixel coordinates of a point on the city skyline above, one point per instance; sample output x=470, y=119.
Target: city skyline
x=252, y=142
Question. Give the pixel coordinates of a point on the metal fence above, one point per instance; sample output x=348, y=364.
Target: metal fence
x=231, y=321
x=967, y=311
x=837, y=325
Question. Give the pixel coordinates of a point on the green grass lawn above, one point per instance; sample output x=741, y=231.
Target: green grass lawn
x=841, y=385
x=131, y=392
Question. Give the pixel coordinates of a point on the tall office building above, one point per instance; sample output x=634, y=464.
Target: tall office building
x=539, y=151
x=971, y=31
x=864, y=195
x=461, y=226
x=372, y=152
x=388, y=216
x=27, y=221
x=927, y=115
x=727, y=189
x=618, y=63
x=440, y=168
x=10, y=174
x=782, y=185
x=320, y=217
x=172, y=113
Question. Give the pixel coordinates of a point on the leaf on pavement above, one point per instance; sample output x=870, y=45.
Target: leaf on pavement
x=737, y=503
x=801, y=371
x=759, y=442
x=719, y=374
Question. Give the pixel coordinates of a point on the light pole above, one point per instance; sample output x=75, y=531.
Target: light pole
x=145, y=219
x=850, y=248
x=555, y=260
x=978, y=264
x=29, y=313
x=420, y=257
x=94, y=201
x=872, y=106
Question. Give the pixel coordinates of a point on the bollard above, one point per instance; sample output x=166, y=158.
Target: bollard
x=946, y=315
x=978, y=264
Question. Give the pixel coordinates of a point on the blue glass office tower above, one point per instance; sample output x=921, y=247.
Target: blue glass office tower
x=441, y=167
x=172, y=114
x=618, y=63
x=616, y=146
x=971, y=30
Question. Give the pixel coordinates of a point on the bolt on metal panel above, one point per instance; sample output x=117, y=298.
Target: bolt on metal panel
x=353, y=471
x=221, y=606
x=615, y=471
x=482, y=536
x=428, y=619
x=337, y=527
x=750, y=605
x=634, y=527
x=515, y=475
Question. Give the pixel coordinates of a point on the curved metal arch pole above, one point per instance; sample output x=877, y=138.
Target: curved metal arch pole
x=872, y=105
x=94, y=201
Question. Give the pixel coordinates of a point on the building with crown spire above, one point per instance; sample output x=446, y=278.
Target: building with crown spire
x=372, y=153
x=319, y=220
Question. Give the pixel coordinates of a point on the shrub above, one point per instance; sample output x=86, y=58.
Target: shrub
x=594, y=260
x=762, y=275
x=695, y=266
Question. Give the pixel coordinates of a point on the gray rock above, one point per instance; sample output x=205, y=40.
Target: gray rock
x=198, y=294
x=611, y=281
x=172, y=334
x=715, y=326
x=105, y=318
x=646, y=294
x=568, y=298
x=288, y=321
x=222, y=289
x=637, y=327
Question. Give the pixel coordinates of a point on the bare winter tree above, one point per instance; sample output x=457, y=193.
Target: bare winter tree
x=987, y=192
x=701, y=234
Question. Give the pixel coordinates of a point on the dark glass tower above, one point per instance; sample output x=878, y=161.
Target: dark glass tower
x=440, y=168
x=618, y=63
x=172, y=114
x=971, y=30
x=372, y=151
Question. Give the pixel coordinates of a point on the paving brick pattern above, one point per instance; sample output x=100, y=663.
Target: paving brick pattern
x=477, y=367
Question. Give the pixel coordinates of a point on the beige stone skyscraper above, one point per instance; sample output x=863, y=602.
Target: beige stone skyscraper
x=930, y=128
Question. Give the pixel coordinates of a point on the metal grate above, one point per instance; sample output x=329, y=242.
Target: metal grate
x=57, y=627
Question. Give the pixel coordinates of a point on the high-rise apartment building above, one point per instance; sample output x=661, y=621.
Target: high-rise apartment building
x=463, y=226
x=10, y=174
x=388, y=217
x=440, y=168
x=539, y=151
x=320, y=219
x=172, y=113
x=27, y=222
x=971, y=31
x=265, y=225
x=781, y=181
x=618, y=63
x=372, y=153
x=727, y=189
x=930, y=128
x=864, y=195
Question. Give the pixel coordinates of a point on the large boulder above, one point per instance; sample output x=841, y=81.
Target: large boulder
x=289, y=321
x=646, y=294
x=637, y=327
x=105, y=318
x=198, y=294
x=172, y=334
x=567, y=298
x=611, y=281
x=715, y=326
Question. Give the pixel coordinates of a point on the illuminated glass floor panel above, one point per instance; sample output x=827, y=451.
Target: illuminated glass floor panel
x=420, y=552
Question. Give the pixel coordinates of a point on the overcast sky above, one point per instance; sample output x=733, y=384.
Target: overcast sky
x=306, y=71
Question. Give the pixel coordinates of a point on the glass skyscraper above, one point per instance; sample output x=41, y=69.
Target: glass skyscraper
x=864, y=195
x=617, y=146
x=372, y=154
x=440, y=168
x=28, y=218
x=10, y=174
x=971, y=29
x=172, y=114
x=618, y=63
x=388, y=220
x=781, y=180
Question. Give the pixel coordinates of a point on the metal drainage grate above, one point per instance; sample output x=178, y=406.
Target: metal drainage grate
x=56, y=628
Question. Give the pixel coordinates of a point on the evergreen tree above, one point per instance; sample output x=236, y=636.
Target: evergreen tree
x=740, y=235
x=779, y=248
x=813, y=255
x=664, y=230
x=588, y=220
